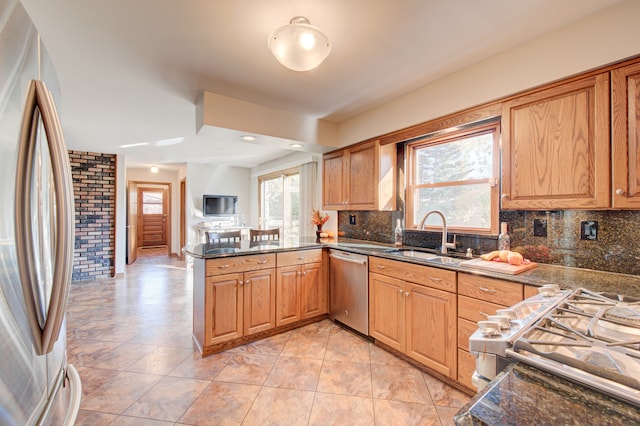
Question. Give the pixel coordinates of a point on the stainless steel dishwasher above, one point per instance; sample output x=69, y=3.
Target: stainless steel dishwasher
x=349, y=287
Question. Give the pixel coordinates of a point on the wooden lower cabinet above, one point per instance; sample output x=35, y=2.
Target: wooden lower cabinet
x=238, y=305
x=431, y=328
x=416, y=320
x=479, y=297
x=387, y=310
x=301, y=288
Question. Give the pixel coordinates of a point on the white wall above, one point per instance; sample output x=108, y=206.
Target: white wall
x=163, y=176
x=600, y=39
x=214, y=179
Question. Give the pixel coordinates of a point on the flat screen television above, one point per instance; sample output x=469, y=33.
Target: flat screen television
x=219, y=205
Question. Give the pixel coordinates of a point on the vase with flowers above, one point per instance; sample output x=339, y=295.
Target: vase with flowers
x=318, y=219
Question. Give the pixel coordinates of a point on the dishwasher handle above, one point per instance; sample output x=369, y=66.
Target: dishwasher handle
x=348, y=259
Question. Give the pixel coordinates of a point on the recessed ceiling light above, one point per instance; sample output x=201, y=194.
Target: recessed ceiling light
x=296, y=145
x=249, y=138
x=154, y=169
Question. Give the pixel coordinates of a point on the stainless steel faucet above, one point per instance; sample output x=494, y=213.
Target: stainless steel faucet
x=445, y=244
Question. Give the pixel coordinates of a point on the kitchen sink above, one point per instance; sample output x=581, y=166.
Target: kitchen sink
x=412, y=253
x=431, y=257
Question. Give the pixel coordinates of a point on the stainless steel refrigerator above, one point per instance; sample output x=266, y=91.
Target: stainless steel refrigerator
x=37, y=385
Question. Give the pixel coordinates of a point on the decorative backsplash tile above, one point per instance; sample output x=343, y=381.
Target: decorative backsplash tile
x=612, y=238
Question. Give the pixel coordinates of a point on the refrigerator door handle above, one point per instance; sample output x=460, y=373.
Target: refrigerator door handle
x=40, y=104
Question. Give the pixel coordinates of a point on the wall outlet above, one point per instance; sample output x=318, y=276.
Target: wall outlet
x=589, y=230
x=539, y=227
x=352, y=219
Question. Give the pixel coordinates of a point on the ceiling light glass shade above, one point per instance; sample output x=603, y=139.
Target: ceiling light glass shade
x=299, y=46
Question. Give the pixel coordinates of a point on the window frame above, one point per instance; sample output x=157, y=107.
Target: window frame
x=448, y=136
x=270, y=176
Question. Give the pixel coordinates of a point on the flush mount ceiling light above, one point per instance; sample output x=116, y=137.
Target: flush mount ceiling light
x=299, y=46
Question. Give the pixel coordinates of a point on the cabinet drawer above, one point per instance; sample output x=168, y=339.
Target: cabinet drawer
x=476, y=310
x=233, y=264
x=431, y=277
x=491, y=290
x=465, y=330
x=466, y=367
x=299, y=257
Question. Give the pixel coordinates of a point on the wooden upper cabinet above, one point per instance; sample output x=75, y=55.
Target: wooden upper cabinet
x=361, y=177
x=334, y=182
x=625, y=117
x=556, y=147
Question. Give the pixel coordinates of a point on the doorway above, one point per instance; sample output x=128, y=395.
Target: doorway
x=152, y=218
x=149, y=219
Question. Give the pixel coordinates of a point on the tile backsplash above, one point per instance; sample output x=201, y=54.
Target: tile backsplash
x=611, y=238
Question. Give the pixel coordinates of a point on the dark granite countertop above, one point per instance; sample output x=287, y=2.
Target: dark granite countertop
x=565, y=277
x=521, y=395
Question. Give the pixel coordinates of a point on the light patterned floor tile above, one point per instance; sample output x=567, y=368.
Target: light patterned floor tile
x=247, y=368
x=399, y=413
x=285, y=407
x=119, y=393
x=168, y=399
x=295, y=373
x=305, y=346
x=330, y=409
x=399, y=384
x=221, y=404
x=345, y=378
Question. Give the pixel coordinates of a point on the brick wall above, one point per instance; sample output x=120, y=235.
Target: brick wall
x=94, y=188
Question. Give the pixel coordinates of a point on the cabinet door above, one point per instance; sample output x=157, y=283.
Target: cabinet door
x=313, y=291
x=625, y=104
x=223, y=308
x=287, y=295
x=556, y=147
x=431, y=328
x=387, y=310
x=363, y=177
x=334, y=180
x=259, y=301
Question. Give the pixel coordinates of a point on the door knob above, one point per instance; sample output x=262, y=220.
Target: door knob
x=619, y=191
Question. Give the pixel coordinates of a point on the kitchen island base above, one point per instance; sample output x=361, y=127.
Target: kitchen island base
x=221, y=347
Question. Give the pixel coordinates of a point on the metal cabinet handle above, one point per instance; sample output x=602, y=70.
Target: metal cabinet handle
x=240, y=282
x=298, y=273
x=380, y=266
x=400, y=291
x=300, y=258
x=435, y=279
x=619, y=191
x=487, y=290
x=262, y=262
x=247, y=282
x=406, y=294
x=223, y=266
x=504, y=196
x=484, y=314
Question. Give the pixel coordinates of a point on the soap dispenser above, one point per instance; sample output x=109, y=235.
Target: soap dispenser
x=398, y=234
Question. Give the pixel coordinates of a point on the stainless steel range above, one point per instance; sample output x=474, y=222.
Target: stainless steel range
x=589, y=338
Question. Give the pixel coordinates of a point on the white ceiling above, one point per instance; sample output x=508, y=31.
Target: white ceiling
x=130, y=70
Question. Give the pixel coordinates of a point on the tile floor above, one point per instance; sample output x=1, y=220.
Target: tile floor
x=130, y=339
